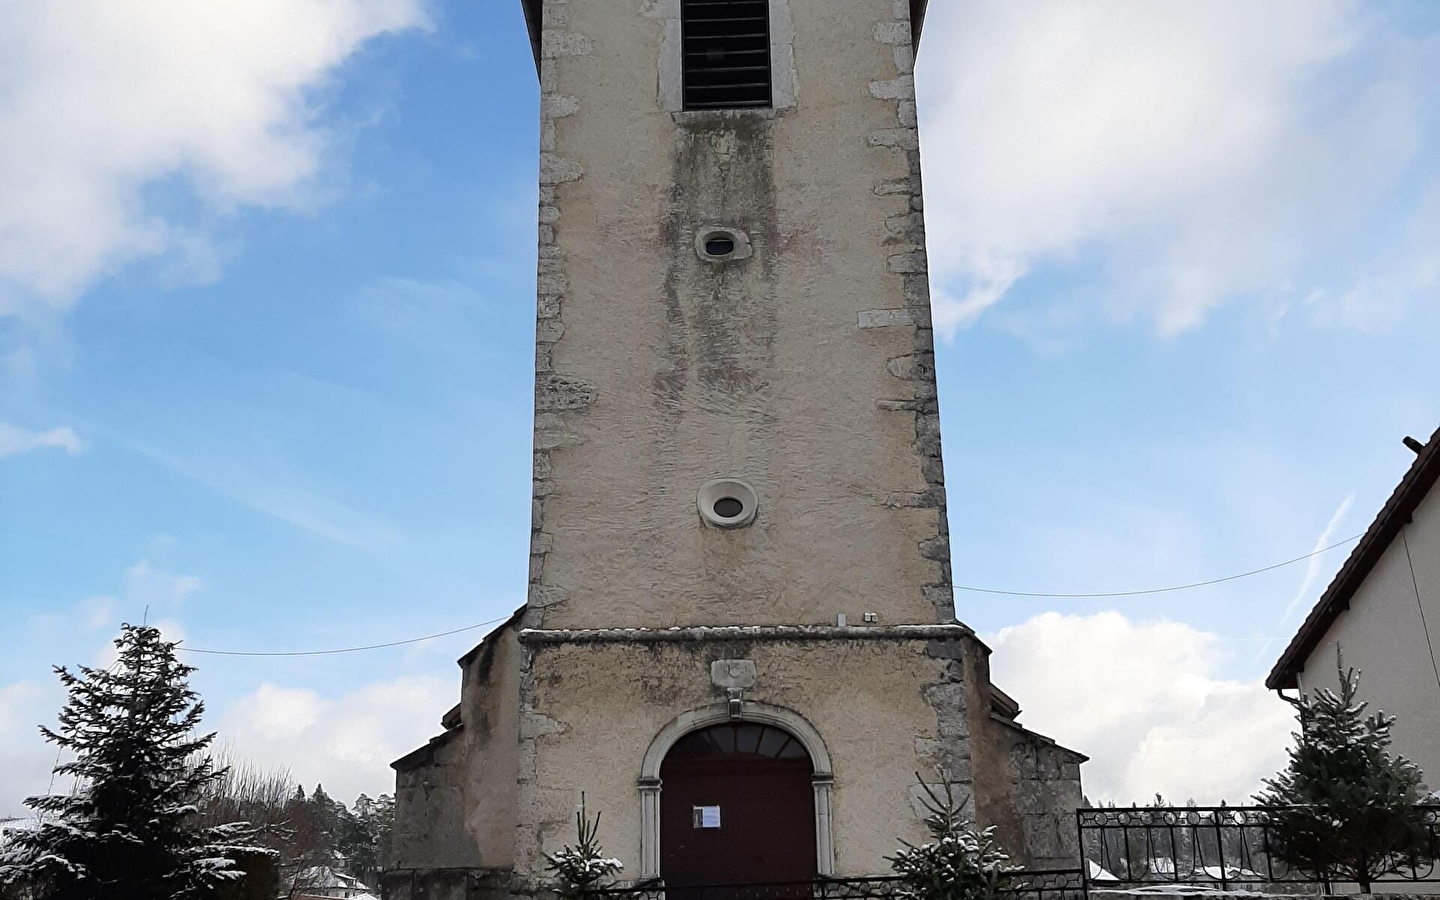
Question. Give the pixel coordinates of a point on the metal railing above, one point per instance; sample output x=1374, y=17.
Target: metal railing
x=1049, y=884
x=1229, y=847
x=1224, y=847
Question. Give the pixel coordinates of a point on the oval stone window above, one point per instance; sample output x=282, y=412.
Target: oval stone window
x=722, y=244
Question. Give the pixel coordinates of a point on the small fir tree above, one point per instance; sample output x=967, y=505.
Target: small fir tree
x=1344, y=809
x=958, y=863
x=579, y=868
x=126, y=831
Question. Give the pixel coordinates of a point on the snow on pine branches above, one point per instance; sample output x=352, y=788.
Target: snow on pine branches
x=581, y=867
x=958, y=863
x=1344, y=809
x=126, y=831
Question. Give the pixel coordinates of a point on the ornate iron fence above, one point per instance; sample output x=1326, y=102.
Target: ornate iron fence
x=1051, y=884
x=1227, y=847
x=1045, y=884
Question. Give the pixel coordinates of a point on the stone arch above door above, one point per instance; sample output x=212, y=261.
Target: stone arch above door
x=716, y=714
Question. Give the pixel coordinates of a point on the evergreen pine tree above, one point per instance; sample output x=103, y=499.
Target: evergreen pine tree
x=1344, y=809
x=366, y=836
x=124, y=833
x=958, y=863
x=581, y=867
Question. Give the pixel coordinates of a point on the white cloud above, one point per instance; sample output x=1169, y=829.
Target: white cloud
x=102, y=105
x=99, y=612
x=1146, y=702
x=346, y=743
x=1191, y=153
x=149, y=585
x=150, y=593
x=274, y=712
x=171, y=630
x=276, y=494
x=15, y=440
x=25, y=758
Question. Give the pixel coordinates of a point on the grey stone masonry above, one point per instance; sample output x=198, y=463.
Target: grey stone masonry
x=558, y=397
x=907, y=260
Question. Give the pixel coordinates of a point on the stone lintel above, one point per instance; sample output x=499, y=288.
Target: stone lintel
x=705, y=633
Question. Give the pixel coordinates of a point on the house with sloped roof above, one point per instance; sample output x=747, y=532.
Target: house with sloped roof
x=328, y=883
x=1381, y=616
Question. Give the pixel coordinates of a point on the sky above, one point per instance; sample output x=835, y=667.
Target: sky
x=266, y=312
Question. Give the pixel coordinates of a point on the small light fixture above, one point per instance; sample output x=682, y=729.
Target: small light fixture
x=726, y=502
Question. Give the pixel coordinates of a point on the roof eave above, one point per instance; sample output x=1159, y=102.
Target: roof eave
x=917, y=20
x=490, y=637
x=533, y=20
x=1394, y=515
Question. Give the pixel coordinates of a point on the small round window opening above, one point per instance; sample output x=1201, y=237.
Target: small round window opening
x=728, y=507
x=726, y=502
x=722, y=244
x=719, y=245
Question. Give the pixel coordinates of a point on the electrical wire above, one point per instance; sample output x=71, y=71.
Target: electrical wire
x=1420, y=604
x=958, y=587
x=428, y=637
x=1163, y=590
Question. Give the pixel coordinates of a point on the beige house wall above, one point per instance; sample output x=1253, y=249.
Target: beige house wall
x=1384, y=635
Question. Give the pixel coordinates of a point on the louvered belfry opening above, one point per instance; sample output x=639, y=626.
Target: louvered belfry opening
x=727, y=53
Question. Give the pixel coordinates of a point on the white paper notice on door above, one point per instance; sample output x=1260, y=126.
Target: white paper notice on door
x=706, y=816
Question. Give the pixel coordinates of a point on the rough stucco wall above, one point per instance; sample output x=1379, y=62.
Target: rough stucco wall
x=869, y=700
x=988, y=756
x=805, y=370
x=1383, y=636
x=490, y=701
x=457, y=811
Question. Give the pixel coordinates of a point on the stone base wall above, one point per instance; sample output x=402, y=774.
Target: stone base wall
x=1026, y=785
x=446, y=884
x=1043, y=794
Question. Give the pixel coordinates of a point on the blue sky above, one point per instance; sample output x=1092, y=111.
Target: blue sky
x=265, y=351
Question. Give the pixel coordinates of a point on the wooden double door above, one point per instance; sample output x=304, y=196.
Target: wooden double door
x=737, y=807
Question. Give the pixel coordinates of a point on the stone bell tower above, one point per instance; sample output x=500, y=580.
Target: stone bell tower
x=739, y=639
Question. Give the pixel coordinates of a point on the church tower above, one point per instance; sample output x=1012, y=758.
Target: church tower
x=739, y=639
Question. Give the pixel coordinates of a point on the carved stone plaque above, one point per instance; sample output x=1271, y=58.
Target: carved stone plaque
x=733, y=673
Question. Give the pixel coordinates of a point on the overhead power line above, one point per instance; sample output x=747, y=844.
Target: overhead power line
x=1163, y=590
x=958, y=587
x=428, y=637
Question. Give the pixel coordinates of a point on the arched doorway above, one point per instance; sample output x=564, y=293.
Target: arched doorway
x=737, y=807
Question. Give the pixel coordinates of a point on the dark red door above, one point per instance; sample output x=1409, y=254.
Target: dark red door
x=736, y=807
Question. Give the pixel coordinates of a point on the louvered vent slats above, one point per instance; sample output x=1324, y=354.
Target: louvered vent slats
x=727, y=53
